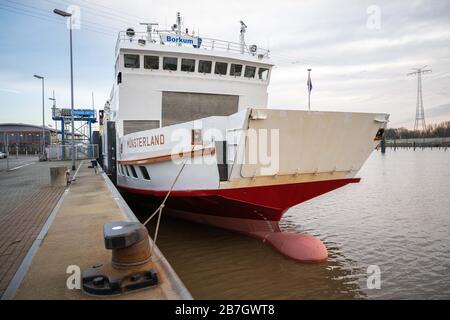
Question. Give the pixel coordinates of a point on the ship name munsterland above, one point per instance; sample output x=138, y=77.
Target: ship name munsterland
x=140, y=142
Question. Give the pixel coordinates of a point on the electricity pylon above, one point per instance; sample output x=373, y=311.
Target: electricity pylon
x=420, y=114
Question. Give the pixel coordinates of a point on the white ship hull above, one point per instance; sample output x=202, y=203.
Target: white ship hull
x=244, y=171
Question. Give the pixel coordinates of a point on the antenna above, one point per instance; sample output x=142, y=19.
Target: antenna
x=178, y=23
x=242, y=36
x=177, y=27
x=149, y=29
x=420, y=113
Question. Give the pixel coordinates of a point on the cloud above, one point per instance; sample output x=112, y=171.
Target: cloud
x=10, y=90
x=438, y=111
x=355, y=68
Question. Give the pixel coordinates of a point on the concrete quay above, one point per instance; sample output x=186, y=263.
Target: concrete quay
x=70, y=234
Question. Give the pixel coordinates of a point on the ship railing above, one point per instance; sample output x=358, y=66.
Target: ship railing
x=209, y=44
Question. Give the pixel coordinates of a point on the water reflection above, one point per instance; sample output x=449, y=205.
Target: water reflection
x=397, y=218
x=218, y=264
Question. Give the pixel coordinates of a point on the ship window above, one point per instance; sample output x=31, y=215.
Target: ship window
x=151, y=62
x=133, y=171
x=144, y=172
x=126, y=169
x=221, y=68
x=131, y=61
x=204, y=66
x=188, y=65
x=250, y=72
x=120, y=169
x=263, y=73
x=236, y=70
x=170, y=63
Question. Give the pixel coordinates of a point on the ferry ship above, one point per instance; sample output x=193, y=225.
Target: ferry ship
x=190, y=116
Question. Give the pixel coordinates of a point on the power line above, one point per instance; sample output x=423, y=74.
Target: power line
x=115, y=10
x=97, y=12
x=42, y=14
x=20, y=12
x=36, y=10
x=92, y=9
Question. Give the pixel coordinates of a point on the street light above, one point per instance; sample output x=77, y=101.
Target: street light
x=309, y=84
x=43, y=116
x=54, y=115
x=69, y=15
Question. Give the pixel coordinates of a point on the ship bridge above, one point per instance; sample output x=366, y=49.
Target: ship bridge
x=199, y=45
x=166, y=77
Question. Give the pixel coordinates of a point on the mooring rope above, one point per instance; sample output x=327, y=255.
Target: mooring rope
x=161, y=206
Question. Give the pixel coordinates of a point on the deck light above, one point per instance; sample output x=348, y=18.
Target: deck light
x=43, y=114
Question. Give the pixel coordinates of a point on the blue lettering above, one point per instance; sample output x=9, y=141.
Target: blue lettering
x=179, y=39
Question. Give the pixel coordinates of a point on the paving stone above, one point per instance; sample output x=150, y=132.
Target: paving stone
x=26, y=201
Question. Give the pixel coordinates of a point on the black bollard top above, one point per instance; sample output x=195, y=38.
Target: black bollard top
x=122, y=234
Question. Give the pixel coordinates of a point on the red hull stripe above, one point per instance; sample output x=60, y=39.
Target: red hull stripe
x=262, y=202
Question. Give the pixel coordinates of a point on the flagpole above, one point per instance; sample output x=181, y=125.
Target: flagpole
x=309, y=90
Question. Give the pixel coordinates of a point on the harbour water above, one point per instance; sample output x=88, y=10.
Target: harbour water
x=397, y=218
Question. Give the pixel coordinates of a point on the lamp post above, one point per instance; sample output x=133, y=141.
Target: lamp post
x=309, y=84
x=43, y=114
x=69, y=15
x=54, y=114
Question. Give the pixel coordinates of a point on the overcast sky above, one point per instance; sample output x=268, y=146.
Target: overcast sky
x=359, y=51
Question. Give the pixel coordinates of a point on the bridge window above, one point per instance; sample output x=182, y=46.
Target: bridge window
x=133, y=171
x=263, y=73
x=204, y=66
x=151, y=62
x=236, y=70
x=170, y=63
x=144, y=172
x=250, y=72
x=221, y=68
x=188, y=65
x=131, y=61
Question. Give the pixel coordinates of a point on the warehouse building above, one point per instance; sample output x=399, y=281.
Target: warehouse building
x=26, y=138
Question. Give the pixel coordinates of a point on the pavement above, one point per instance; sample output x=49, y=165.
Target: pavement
x=13, y=162
x=26, y=201
x=75, y=239
x=25, y=178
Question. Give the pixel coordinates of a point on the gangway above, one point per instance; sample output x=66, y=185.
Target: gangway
x=83, y=121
